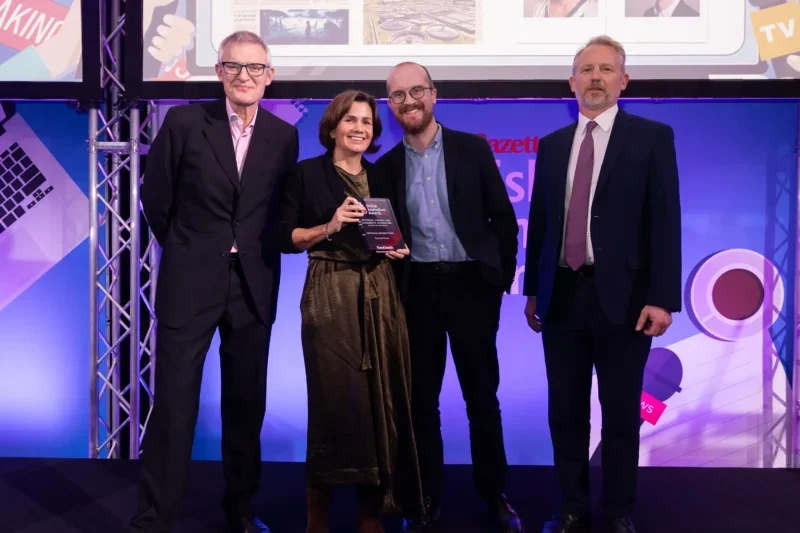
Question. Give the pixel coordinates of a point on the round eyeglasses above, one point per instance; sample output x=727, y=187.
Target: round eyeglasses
x=398, y=97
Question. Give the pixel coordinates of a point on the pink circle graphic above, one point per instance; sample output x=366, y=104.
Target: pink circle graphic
x=735, y=294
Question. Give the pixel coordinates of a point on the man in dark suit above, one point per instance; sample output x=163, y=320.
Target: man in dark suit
x=458, y=221
x=210, y=195
x=670, y=8
x=602, y=276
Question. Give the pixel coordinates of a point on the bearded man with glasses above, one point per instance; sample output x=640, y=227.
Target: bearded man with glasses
x=210, y=195
x=457, y=218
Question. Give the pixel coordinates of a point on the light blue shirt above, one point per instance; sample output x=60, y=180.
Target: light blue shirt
x=433, y=237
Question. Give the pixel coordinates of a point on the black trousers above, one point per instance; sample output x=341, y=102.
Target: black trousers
x=167, y=445
x=576, y=336
x=452, y=300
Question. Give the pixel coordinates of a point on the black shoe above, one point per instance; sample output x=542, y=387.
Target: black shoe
x=619, y=524
x=247, y=524
x=505, y=515
x=423, y=524
x=568, y=523
x=411, y=525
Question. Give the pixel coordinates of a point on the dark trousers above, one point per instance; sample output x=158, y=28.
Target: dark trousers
x=577, y=335
x=167, y=445
x=452, y=300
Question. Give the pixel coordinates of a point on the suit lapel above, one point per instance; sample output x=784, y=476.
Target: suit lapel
x=218, y=135
x=451, y=162
x=374, y=180
x=561, y=162
x=261, y=145
x=398, y=166
x=615, y=143
x=333, y=180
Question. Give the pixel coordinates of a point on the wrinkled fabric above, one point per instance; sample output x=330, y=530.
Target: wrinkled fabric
x=358, y=373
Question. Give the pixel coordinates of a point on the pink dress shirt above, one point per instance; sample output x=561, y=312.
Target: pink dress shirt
x=241, y=140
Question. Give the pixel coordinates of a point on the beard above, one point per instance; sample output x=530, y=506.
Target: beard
x=414, y=126
x=593, y=100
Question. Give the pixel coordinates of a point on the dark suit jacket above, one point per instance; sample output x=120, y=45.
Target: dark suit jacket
x=635, y=224
x=681, y=10
x=313, y=193
x=480, y=208
x=196, y=206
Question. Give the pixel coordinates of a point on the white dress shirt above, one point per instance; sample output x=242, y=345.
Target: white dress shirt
x=542, y=9
x=667, y=11
x=601, y=134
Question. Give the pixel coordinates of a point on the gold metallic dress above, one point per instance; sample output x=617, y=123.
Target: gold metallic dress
x=358, y=373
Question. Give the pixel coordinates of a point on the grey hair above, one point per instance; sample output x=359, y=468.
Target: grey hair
x=244, y=37
x=603, y=40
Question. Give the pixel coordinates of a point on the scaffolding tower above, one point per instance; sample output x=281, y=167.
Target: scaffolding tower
x=123, y=257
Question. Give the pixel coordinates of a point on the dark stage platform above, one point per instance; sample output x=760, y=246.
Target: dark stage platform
x=84, y=496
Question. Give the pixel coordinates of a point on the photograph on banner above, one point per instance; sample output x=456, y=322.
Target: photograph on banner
x=662, y=8
x=309, y=23
x=40, y=40
x=632, y=21
x=334, y=40
x=560, y=8
x=407, y=22
x=560, y=22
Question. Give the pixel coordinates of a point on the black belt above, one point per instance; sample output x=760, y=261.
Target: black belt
x=233, y=257
x=584, y=270
x=444, y=267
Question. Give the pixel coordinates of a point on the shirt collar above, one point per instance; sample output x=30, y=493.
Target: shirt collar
x=234, y=118
x=604, y=120
x=435, y=145
x=578, y=11
x=668, y=11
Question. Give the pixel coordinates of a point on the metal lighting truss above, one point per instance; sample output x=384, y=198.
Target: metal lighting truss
x=779, y=346
x=122, y=258
x=793, y=395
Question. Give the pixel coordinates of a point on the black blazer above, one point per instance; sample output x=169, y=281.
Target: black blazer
x=681, y=10
x=314, y=192
x=196, y=206
x=635, y=224
x=480, y=208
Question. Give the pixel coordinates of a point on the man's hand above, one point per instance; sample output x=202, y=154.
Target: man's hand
x=530, y=314
x=654, y=321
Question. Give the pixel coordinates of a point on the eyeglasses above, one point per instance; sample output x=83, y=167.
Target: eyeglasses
x=398, y=97
x=254, y=69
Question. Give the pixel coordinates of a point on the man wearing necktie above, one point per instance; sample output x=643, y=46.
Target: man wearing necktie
x=602, y=277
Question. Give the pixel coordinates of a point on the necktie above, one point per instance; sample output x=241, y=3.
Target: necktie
x=578, y=211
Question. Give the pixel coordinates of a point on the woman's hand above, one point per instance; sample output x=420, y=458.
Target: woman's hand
x=398, y=254
x=350, y=211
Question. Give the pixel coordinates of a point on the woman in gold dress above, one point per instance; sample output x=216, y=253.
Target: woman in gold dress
x=354, y=337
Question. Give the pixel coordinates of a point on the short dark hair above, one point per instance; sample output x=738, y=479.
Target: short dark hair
x=337, y=110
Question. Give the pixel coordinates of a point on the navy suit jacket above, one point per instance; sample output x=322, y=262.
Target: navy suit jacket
x=635, y=219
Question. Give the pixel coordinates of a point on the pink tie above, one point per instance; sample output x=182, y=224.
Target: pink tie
x=578, y=212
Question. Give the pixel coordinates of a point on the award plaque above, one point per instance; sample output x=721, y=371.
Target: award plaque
x=379, y=228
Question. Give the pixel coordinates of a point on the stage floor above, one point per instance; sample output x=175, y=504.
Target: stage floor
x=84, y=496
